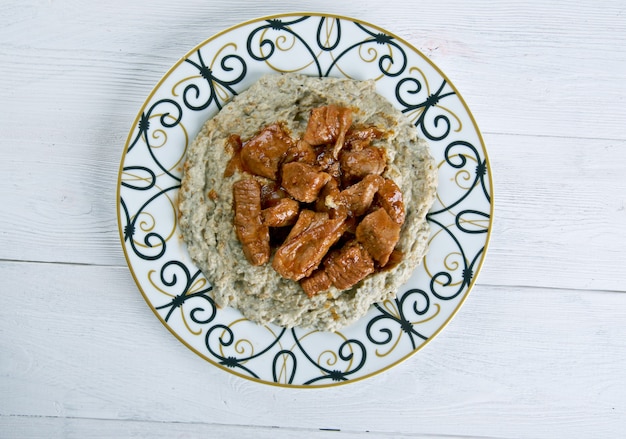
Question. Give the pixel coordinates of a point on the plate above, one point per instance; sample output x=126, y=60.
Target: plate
x=195, y=89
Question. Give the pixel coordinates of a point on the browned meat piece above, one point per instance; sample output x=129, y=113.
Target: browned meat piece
x=330, y=189
x=253, y=235
x=302, y=181
x=283, y=213
x=328, y=125
x=271, y=194
x=378, y=234
x=299, y=256
x=263, y=153
x=306, y=219
x=390, y=198
x=348, y=265
x=357, y=164
x=394, y=259
x=327, y=162
x=357, y=138
x=316, y=283
x=358, y=197
x=301, y=152
x=334, y=170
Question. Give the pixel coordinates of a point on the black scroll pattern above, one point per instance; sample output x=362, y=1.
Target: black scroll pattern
x=456, y=156
x=391, y=65
x=345, y=353
x=169, y=116
x=222, y=336
x=256, y=52
x=381, y=334
x=232, y=70
x=427, y=122
x=170, y=277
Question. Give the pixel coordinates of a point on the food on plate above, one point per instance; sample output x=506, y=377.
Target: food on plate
x=304, y=201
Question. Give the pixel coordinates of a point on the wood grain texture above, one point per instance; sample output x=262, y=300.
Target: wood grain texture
x=75, y=428
x=541, y=64
x=78, y=340
x=560, y=207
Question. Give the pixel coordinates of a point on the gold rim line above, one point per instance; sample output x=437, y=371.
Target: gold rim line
x=428, y=61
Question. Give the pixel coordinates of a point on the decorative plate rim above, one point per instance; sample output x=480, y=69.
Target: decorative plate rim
x=231, y=29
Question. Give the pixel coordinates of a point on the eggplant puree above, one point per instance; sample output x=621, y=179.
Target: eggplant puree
x=207, y=220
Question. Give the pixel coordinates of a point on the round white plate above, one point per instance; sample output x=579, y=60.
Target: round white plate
x=195, y=89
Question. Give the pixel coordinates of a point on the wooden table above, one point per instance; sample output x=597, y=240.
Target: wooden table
x=537, y=350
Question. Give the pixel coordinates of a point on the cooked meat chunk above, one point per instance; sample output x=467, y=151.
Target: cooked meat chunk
x=394, y=259
x=358, y=197
x=263, y=153
x=299, y=256
x=348, y=265
x=390, y=198
x=283, y=213
x=356, y=164
x=301, y=152
x=326, y=161
x=271, y=194
x=251, y=232
x=328, y=125
x=316, y=283
x=378, y=234
x=303, y=182
x=330, y=189
x=320, y=192
x=306, y=219
x=357, y=138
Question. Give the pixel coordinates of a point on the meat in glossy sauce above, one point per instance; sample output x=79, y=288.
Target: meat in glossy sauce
x=283, y=213
x=315, y=283
x=301, y=152
x=349, y=265
x=306, y=219
x=330, y=189
x=356, y=199
x=339, y=219
x=390, y=197
x=250, y=230
x=328, y=125
x=357, y=164
x=379, y=234
x=359, y=137
x=262, y=154
x=271, y=194
x=303, y=182
x=299, y=256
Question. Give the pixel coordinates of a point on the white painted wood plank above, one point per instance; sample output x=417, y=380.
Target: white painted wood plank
x=559, y=209
x=75, y=428
x=545, y=68
x=78, y=342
